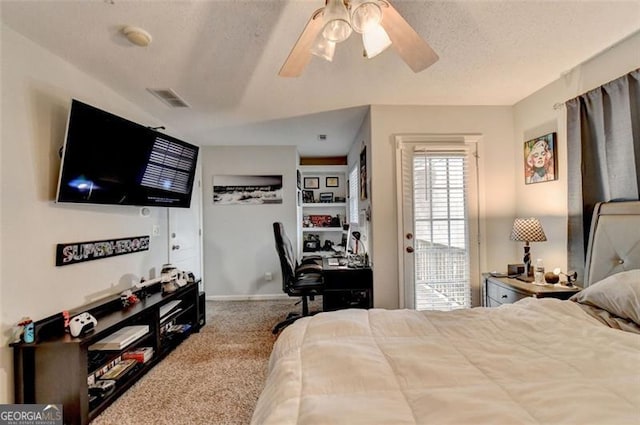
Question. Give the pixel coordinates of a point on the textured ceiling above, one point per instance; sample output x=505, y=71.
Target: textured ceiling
x=223, y=57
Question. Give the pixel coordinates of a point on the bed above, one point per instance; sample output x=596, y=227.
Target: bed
x=537, y=361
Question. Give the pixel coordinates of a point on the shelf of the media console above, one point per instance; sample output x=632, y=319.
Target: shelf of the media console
x=325, y=205
x=321, y=229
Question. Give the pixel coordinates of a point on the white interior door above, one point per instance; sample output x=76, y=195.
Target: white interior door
x=185, y=235
x=438, y=222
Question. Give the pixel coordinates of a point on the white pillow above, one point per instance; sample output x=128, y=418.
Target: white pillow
x=619, y=294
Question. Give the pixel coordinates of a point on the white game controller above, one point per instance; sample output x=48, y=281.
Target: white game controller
x=81, y=324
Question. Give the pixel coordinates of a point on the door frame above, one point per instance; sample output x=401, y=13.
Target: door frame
x=407, y=140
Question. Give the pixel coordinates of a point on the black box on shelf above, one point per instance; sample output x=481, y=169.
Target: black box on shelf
x=514, y=269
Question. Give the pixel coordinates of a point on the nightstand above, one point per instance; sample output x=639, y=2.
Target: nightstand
x=503, y=290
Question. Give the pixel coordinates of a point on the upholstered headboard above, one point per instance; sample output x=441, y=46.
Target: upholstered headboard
x=614, y=240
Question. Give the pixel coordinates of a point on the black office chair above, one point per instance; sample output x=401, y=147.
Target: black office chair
x=298, y=279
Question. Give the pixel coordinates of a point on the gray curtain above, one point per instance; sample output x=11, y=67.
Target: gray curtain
x=603, y=149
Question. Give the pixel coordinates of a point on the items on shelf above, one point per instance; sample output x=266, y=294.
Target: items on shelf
x=141, y=355
x=119, y=370
x=311, y=243
x=128, y=298
x=121, y=338
x=321, y=220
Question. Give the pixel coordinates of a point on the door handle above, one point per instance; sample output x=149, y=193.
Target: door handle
x=410, y=249
x=175, y=247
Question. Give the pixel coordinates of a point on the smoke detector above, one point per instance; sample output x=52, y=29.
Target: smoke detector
x=137, y=36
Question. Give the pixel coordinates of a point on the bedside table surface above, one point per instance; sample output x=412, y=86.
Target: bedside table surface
x=534, y=289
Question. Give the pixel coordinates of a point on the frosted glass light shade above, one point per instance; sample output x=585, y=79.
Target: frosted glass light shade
x=336, y=17
x=323, y=48
x=365, y=14
x=375, y=41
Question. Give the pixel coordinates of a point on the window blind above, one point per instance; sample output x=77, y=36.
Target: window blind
x=353, y=195
x=442, y=271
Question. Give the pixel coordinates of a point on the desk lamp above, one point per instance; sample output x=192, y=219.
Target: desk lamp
x=527, y=230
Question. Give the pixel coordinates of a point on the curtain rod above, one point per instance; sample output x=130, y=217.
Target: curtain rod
x=559, y=105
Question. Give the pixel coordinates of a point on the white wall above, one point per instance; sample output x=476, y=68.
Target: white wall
x=36, y=91
x=536, y=116
x=239, y=246
x=496, y=179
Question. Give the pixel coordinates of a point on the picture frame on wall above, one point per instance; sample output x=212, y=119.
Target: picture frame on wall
x=540, y=163
x=299, y=179
x=363, y=174
x=332, y=182
x=312, y=183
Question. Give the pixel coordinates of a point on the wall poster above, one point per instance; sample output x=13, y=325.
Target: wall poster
x=247, y=190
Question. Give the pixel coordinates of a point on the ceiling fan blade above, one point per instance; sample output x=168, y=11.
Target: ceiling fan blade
x=409, y=45
x=300, y=55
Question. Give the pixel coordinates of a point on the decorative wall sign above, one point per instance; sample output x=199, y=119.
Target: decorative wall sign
x=78, y=252
x=247, y=190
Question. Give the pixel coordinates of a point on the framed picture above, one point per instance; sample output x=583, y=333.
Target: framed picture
x=540, y=164
x=332, y=182
x=247, y=190
x=326, y=197
x=307, y=196
x=312, y=183
x=363, y=174
x=299, y=179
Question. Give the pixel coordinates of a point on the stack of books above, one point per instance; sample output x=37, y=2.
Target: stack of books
x=119, y=370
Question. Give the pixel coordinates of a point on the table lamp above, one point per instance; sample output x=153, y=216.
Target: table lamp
x=527, y=230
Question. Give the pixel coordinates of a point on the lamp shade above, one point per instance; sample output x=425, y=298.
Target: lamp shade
x=323, y=48
x=375, y=41
x=365, y=14
x=337, y=27
x=527, y=230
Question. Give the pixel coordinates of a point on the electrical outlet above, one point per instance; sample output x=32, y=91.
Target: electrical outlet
x=268, y=276
x=156, y=230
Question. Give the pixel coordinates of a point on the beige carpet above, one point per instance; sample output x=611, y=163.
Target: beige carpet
x=214, y=377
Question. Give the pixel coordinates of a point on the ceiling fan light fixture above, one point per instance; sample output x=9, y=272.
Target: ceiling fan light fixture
x=323, y=48
x=337, y=27
x=375, y=41
x=365, y=14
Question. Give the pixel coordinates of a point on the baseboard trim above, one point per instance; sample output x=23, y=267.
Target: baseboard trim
x=257, y=297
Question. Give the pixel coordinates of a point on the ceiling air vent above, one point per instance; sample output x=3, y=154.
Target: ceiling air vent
x=169, y=97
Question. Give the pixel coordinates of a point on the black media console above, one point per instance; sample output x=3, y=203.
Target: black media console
x=60, y=369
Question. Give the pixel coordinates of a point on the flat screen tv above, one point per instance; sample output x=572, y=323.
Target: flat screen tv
x=110, y=160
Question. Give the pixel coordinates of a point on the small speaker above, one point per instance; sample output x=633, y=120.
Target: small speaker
x=515, y=269
x=202, y=312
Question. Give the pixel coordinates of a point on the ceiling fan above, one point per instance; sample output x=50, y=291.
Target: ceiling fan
x=377, y=20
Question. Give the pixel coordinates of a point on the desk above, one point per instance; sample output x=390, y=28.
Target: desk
x=346, y=287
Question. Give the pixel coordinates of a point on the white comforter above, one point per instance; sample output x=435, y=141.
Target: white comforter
x=533, y=362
